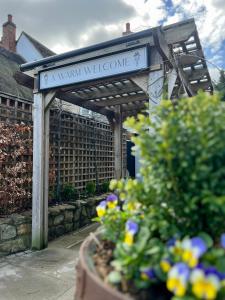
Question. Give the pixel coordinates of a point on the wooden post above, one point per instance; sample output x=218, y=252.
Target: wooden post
x=118, y=142
x=156, y=80
x=40, y=170
x=172, y=77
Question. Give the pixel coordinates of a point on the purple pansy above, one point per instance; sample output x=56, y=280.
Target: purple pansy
x=102, y=204
x=211, y=271
x=171, y=242
x=150, y=273
x=131, y=227
x=198, y=244
x=112, y=198
x=182, y=269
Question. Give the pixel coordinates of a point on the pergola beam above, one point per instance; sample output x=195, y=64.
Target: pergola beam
x=121, y=100
x=71, y=98
x=104, y=91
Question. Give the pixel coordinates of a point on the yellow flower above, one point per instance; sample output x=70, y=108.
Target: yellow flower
x=165, y=265
x=190, y=258
x=176, y=286
x=204, y=287
x=129, y=239
x=101, y=209
x=144, y=276
x=112, y=204
x=178, y=279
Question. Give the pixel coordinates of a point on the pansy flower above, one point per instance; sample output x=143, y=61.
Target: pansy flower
x=130, y=231
x=204, y=286
x=193, y=249
x=101, y=209
x=175, y=247
x=112, y=201
x=165, y=265
x=178, y=279
x=147, y=273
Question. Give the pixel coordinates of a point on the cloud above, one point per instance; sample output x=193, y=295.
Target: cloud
x=64, y=25
x=51, y=21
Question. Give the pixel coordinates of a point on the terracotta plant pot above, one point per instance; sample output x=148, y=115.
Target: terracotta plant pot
x=89, y=286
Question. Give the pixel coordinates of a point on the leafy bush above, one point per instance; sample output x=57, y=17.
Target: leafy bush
x=15, y=167
x=90, y=188
x=104, y=187
x=69, y=193
x=184, y=156
x=167, y=226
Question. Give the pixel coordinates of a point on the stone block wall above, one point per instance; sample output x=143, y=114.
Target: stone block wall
x=15, y=230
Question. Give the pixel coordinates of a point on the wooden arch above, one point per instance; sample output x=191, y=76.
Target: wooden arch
x=173, y=52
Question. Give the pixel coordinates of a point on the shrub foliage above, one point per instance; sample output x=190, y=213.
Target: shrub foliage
x=184, y=156
x=15, y=167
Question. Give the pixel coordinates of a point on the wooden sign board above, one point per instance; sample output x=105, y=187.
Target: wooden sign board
x=125, y=62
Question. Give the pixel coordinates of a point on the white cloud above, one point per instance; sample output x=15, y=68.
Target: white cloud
x=148, y=14
x=210, y=19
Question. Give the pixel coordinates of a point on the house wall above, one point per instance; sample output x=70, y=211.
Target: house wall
x=27, y=50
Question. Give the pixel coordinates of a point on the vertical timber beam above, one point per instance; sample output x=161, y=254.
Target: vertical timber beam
x=118, y=142
x=172, y=77
x=155, y=82
x=40, y=170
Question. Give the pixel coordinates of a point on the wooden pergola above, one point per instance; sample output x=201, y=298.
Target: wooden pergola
x=116, y=79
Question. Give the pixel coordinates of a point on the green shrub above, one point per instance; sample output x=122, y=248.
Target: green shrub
x=69, y=193
x=90, y=188
x=104, y=187
x=183, y=169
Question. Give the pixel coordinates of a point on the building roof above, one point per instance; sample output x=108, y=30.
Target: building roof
x=9, y=64
x=44, y=51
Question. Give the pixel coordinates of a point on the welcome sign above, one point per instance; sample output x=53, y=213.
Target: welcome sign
x=102, y=67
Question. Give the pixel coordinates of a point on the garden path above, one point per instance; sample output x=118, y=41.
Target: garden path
x=43, y=275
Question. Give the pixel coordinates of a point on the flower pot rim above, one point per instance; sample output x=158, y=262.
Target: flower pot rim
x=83, y=253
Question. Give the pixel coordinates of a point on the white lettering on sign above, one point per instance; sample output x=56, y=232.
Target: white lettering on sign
x=115, y=64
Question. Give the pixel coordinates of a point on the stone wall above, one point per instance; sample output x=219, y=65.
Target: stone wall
x=15, y=231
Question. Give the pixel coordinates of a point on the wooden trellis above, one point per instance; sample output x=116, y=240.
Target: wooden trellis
x=86, y=144
x=77, y=156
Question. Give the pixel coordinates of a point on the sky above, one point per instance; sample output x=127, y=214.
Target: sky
x=64, y=25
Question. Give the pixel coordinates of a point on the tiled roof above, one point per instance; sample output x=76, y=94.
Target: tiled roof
x=9, y=64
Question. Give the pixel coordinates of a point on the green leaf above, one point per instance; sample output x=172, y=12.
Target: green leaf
x=206, y=238
x=220, y=264
x=142, y=239
x=159, y=273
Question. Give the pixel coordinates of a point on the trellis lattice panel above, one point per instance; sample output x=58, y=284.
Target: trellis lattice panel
x=84, y=147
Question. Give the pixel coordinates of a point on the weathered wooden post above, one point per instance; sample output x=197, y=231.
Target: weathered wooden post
x=118, y=142
x=40, y=169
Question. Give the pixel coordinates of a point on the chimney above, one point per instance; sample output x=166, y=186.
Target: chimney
x=127, y=29
x=9, y=35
